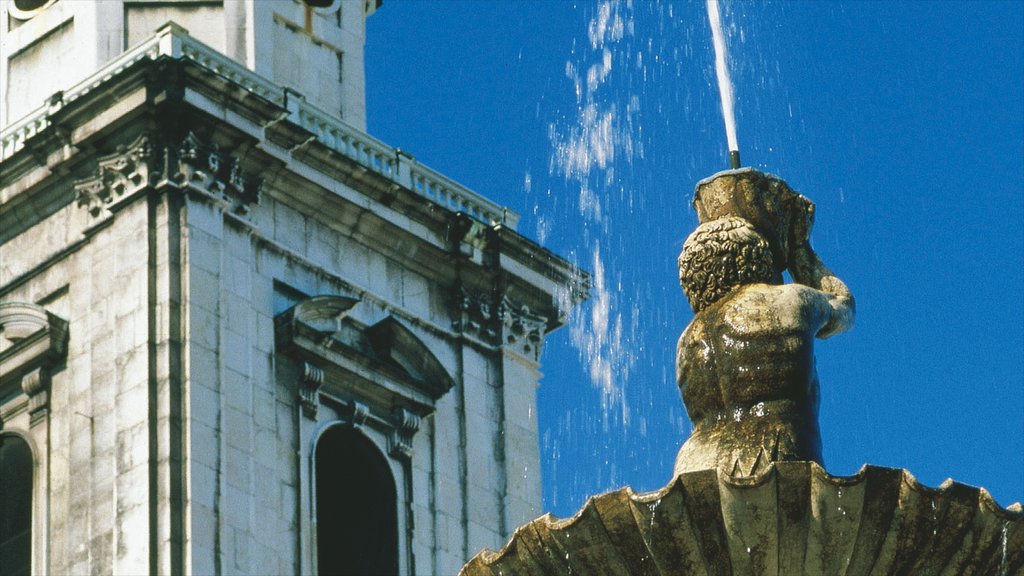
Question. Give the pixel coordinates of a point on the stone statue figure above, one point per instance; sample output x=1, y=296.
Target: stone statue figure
x=745, y=364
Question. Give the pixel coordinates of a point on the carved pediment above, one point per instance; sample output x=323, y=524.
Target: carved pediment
x=384, y=365
x=32, y=342
x=397, y=345
x=29, y=336
x=318, y=318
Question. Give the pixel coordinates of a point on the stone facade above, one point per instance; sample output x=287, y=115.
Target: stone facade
x=202, y=272
x=316, y=53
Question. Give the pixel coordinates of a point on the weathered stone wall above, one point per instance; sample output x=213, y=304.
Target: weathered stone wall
x=193, y=240
x=53, y=49
x=178, y=436
x=95, y=504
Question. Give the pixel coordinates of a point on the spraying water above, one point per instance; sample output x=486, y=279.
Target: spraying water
x=724, y=84
x=586, y=150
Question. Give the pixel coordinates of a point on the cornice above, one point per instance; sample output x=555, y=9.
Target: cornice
x=175, y=112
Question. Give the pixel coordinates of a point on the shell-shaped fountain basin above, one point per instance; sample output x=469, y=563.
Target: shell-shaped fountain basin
x=794, y=518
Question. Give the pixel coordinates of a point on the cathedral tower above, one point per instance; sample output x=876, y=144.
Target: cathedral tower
x=237, y=333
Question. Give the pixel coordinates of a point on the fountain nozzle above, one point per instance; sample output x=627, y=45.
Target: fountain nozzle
x=734, y=159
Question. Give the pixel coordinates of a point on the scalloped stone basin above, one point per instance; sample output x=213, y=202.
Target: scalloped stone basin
x=793, y=519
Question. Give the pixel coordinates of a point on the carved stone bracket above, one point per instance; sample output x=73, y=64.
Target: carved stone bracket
x=36, y=384
x=118, y=176
x=477, y=316
x=357, y=414
x=400, y=439
x=522, y=330
x=309, y=389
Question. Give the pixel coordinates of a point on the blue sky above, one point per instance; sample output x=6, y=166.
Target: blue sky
x=902, y=121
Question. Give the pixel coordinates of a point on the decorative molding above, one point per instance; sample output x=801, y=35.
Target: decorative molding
x=36, y=385
x=119, y=175
x=400, y=439
x=396, y=345
x=317, y=319
x=29, y=336
x=203, y=166
x=32, y=343
x=191, y=162
x=360, y=367
x=476, y=316
x=521, y=329
x=357, y=414
x=173, y=42
x=309, y=389
x=507, y=324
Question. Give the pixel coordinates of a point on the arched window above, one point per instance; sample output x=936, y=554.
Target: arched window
x=356, y=507
x=15, y=506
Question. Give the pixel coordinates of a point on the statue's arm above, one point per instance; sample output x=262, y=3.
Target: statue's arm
x=806, y=268
x=681, y=360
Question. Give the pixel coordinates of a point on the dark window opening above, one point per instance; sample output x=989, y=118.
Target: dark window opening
x=356, y=507
x=15, y=506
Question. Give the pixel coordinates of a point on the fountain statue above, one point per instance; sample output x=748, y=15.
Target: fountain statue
x=749, y=494
x=745, y=364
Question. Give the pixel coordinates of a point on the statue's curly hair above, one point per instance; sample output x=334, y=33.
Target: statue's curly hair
x=720, y=255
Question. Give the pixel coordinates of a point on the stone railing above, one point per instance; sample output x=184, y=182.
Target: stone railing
x=174, y=41
x=397, y=165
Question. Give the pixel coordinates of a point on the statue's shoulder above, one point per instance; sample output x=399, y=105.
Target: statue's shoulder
x=755, y=308
x=778, y=294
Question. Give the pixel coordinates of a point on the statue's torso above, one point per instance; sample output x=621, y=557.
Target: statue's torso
x=746, y=369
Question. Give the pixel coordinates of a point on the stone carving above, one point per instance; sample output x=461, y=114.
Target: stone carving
x=794, y=518
x=33, y=342
x=357, y=413
x=505, y=324
x=400, y=439
x=36, y=385
x=476, y=316
x=309, y=389
x=745, y=364
x=522, y=330
x=191, y=161
x=203, y=165
x=749, y=495
x=119, y=175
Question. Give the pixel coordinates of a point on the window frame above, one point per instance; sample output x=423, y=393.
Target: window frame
x=33, y=350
